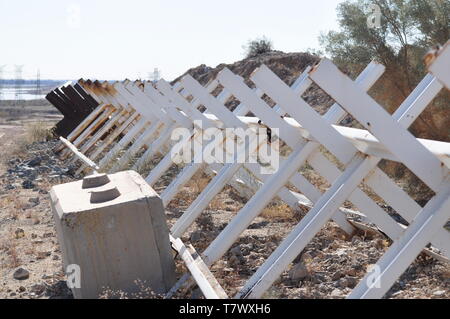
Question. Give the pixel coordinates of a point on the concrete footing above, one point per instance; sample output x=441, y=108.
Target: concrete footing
x=113, y=233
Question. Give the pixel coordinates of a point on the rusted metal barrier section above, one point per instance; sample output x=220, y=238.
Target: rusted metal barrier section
x=73, y=102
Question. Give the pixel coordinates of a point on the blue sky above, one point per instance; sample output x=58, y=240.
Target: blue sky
x=128, y=39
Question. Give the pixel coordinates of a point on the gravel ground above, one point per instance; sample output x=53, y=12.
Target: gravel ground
x=30, y=259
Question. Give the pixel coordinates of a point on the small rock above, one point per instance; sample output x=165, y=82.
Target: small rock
x=196, y=236
x=323, y=288
x=34, y=162
x=236, y=251
x=27, y=184
x=298, y=272
x=439, y=293
x=234, y=261
x=336, y=293
x=21, y=289
x=306, y=257
x=34, y=200
x=21, y=274
x=342, y=283
x=37, y=289
x=43, y=254
x=20, y=233
x=319, y=278
x=352, y=272
x=337, y=275
x=351, y=282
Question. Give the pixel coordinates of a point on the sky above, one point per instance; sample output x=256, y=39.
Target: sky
x=116, y=39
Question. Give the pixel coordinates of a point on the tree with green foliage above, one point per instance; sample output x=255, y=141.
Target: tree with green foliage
x=407, y=30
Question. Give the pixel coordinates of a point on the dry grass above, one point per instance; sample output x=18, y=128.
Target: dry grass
x=279, y=211
x=446, y=271
x=34, y=132
x=314, y=178
x=31, y=250
x=17, y=207
x=145, y=168
x=218, y=204
x=194, y=187
x=4, y=115
x=14, y=256
x=9, y=245
x=199, y=182
x=38, y=132
x=12, y=205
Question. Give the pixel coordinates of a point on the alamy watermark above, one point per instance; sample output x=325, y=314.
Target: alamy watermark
x=74, y=16
x=373, y=279
x=73, y=273
x=374, y=18
x=227, y=146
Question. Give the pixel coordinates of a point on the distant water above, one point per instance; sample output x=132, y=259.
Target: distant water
x=27, y=91
x=24, y=93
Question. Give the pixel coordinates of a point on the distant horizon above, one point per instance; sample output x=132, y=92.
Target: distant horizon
x=34, y=80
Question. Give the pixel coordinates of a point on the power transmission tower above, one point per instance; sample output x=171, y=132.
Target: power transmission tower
x=18, y=83
x=38, y=83
x=155, y=76
x=2, y=69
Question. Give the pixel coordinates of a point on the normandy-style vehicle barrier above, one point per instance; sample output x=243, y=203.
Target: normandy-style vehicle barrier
x=130, y=123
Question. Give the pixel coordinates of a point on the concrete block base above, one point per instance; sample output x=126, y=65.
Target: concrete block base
x=116, y=232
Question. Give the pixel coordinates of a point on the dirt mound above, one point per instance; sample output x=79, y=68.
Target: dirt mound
x=288, y=66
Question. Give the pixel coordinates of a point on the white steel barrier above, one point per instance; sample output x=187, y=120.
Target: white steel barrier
x=143, y=118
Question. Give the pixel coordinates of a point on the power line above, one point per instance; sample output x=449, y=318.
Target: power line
x=155, y=76
x=18, y=83
x=38, y=83
x=2, y=68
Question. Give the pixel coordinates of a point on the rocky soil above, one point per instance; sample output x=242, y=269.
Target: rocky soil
x=30, y=259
